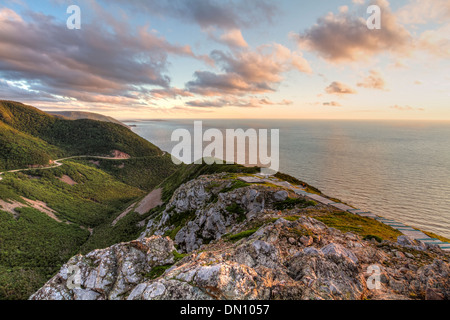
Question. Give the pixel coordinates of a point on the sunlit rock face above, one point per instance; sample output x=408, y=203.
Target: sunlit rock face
x=230, y=240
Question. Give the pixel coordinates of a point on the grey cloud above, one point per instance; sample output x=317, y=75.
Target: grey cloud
x=93, y=60
x=169, y=93
x=211, y=84
x=230, y=101
x=339, y=88
x=248, y=72
x=373, y=81
x=332, y=104
x=345, y=37
x=14, y=92
x=229, y=14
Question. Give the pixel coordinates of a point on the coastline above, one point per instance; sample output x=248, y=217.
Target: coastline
x=408, y=231
x=396, y=209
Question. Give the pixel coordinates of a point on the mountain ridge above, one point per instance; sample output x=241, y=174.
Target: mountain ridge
x=29, y=136
x=79, y=115
x=47, y=216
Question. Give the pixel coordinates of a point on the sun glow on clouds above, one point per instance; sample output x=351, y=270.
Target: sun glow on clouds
x=202, y=58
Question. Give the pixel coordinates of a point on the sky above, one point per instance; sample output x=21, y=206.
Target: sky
x=199, y=59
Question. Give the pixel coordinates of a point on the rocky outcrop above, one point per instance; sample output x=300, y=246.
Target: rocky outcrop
x=267, y=265
x=213, y=208
x=110, y=273
x=254, y=253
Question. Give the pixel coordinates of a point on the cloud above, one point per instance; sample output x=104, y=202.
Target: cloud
x=230, y=101
x=169, y=93
x=406, y=108
x=344, y=37
x=7, y=14
x=435, y=14
x=248, y=72
x=234, y=38
x=332, y=104
x=436, y=42
x=423, y=12
x=102, y=62
x=338, y=88
x=21, y=92
x=208, y=13
x=373, y=81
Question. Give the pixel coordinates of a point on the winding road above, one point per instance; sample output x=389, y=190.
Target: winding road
x=404, y=229
x=57, y=163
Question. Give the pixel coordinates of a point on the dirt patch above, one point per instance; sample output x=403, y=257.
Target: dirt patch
x=42, y=207
x=123, y=214
x=97, y=163
x=116, y=154
x=10, y=207
x=91, y=231
x=68, y=180
x=149, y=202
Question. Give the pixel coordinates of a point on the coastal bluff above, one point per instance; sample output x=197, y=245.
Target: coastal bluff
x=232, y=236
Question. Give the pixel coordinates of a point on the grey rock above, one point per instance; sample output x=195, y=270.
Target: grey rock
x=337, y=250
x=280, y=196
x=307, y=241
x=275, y=262
x=405, y=241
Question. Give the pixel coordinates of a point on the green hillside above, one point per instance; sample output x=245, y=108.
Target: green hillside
x=18, y=149
x=49, y=215
x=77, y=115
x=33, y=246
x=29, y=136
x=83, y=195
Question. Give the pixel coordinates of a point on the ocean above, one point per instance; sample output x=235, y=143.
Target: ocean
x=395, y=169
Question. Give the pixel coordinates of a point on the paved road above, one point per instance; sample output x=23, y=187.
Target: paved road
x=404, y=229
x=57, y=163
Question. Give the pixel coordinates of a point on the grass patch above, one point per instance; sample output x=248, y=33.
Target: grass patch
x=241, y=235
x=178, y=256
x=291, y=203
x=178, y=220
x=190, y=172
x=157, y=272
x=237, y=210
x=435, y=236
x=291, y=218
x=212, y=186
x=295, y=181
x=365, y=227
x=235, y=185
x=372, y=237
